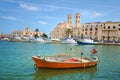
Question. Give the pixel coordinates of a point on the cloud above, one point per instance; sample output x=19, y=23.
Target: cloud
x=87, y=13
x=96, y=14
x=53, y=7
x=42, y=22
x=8, y=17
x=91, y=14
x=28, y=7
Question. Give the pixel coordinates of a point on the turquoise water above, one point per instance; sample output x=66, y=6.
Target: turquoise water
x=16, y=62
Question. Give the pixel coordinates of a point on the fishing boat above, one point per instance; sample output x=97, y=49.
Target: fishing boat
x=64, y=62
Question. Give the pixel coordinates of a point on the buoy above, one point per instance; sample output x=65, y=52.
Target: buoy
x=94, y=51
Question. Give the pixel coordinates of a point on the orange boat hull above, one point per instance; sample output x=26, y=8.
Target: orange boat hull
x=51, y=64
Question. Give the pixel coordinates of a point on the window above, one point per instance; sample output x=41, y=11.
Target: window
x=85, y=33
x=119, y=24
x=108, y=27
x=90, y=33
x=95, y=33
x=96, y=25
x=104, y=27
x=119, y=28
x=96, y=29
x=113, y=27
x=91, y=25
x=90, y=29
x=85, y=29
x=101, y=25
x=76, y=21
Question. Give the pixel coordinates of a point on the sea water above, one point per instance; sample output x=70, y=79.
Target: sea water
x=16, y=62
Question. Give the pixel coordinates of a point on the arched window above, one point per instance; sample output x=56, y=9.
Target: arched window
x=113, y=27
x=104, y=27
x=96, y=29
x=108, y=27
x=90, y=29
x=85, y=29
x=90, y=33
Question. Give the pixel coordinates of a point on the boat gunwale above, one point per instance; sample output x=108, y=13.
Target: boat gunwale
x=96, y=59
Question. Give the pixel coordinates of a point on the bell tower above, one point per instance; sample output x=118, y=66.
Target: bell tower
x=77, y=22
x=70, y=19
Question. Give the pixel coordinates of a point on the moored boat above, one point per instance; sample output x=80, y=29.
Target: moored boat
x=68, y=41
x=55, y=40
x=64, y=62
x=38, y=40
x=86, y=41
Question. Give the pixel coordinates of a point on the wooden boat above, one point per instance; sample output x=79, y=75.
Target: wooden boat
x=63, y=62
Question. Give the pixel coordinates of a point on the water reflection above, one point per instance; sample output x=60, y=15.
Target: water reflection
x=65, y=74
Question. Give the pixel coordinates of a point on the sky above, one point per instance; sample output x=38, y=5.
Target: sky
x=46, y=14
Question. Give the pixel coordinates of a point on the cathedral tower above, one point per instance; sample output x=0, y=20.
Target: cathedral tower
x=77, y=22
x=70, y=19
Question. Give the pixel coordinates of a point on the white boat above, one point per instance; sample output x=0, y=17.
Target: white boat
x=68, y=41
x=86, y=41
x=47, y=40
x=38, y=40
x=5, y=39
x=16, y=39
x=55, y=40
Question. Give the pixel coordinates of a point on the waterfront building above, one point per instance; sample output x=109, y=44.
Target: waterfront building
x=27, y=32
x=101, y=31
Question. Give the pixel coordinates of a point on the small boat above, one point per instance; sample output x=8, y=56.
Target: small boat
x=64, y=62
x=16, y=39
x=55, y=40
x=68, y=41
x=38, y=40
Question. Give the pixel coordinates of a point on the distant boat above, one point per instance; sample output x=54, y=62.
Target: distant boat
x=16, y=39
x=55, y=40
x=64, y=62
x=5, y=39
x=37, y=40
x=87, y=41
x=47, y=40
x=69, y=41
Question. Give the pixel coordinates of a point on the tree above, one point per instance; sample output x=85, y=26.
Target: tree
x=36, y=34
x=69, y=33
x=44, y=35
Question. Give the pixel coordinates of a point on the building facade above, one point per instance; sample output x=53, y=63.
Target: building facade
x=27, y=32
x=96, y=30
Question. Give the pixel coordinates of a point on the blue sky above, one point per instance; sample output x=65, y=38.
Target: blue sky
x=46, y=14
